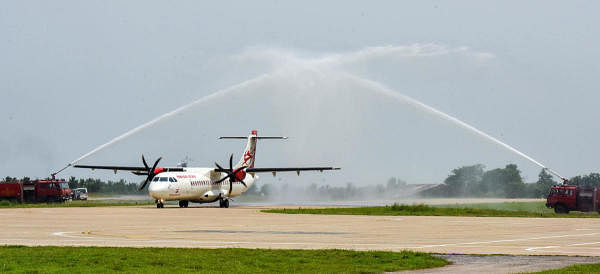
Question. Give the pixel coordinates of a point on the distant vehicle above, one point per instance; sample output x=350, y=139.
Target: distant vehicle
x=205, y=185
x=566, y=198
x=80, y=193
x=36, y=191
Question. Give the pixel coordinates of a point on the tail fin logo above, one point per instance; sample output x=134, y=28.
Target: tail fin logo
x=247, y=157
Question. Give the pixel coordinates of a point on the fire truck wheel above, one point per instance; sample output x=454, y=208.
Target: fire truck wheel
x=561, y=209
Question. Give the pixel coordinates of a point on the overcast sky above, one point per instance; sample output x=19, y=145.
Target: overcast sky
x=75, y=74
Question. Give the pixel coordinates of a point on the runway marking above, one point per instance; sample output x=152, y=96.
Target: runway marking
x=63, y=234
x=593, y=243
x=220, y=243
x=263, y=232
x=225, y=244
x=94, y=238
x=485, y=222
x=512, y=240
x=541, y=247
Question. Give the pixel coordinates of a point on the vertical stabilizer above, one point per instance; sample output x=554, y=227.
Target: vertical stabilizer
x=250, y=151
x=247, y=159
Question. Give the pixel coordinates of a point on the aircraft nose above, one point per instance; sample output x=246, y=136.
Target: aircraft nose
x=158, y=189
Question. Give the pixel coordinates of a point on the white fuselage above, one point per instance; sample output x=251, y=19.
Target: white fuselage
x=196, y=185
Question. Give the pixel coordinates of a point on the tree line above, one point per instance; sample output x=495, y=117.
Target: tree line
x=475, y=181
x=465, y=181
x=105, y=187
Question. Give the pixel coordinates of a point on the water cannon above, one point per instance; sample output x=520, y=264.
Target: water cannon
x=53, y=175
x=564, y=180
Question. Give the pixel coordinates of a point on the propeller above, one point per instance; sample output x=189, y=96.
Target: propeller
x=150, y=171
x=231, y=173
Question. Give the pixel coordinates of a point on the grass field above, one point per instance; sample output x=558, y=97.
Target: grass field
x=537, y=207
x=88, y=203
x=22, y=259
x=578, y=268
x=521, y=209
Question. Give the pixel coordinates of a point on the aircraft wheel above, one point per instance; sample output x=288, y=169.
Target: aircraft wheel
x=221, y=203
x=226, y=203
x=183, y=203
x=160, y=205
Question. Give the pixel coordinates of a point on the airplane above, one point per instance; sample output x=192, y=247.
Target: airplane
x=205, y=184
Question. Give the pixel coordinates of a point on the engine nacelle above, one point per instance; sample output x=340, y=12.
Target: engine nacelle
x=211, y=195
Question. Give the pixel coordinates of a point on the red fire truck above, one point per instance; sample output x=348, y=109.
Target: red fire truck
x=52, y=190
x=565, y=198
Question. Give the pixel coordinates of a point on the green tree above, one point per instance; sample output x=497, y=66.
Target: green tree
x=504, y=182
x=592, y=180
x=464, y=181
x=492, y=183
x=544, y=183
x=513, y=182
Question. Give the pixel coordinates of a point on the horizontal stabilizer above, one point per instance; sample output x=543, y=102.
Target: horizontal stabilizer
x=257, y=137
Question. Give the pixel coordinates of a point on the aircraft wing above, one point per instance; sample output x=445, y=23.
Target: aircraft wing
x=135, y=170
x=288, y=169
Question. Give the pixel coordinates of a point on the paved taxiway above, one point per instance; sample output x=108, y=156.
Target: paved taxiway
x=247, y=227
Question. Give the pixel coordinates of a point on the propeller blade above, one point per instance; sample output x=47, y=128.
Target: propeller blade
x=216, y=164
x=143, y=185
x=155, y=164
x=230, y=188
x=144, y=161
x=243, y=183
x=231, y=162
x=221, y=180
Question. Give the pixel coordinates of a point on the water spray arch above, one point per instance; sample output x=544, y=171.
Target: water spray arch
x=293, y=64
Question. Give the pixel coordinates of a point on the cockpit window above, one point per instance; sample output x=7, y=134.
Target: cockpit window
x=164, y=179
x=171, y=179
x=155, y=179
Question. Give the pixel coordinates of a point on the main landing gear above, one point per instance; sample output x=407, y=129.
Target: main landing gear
x=160, y=205
x=224, y=203
x=183, y=203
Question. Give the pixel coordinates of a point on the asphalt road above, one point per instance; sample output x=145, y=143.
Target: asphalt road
x=246, y=227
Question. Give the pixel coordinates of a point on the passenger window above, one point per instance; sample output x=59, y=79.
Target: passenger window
x=164, y=179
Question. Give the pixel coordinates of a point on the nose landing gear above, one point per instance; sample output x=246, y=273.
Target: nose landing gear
x=159, y=204
x=224, y=203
